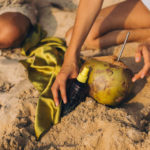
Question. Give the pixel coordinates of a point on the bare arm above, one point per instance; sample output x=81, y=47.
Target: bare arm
x=86, y=15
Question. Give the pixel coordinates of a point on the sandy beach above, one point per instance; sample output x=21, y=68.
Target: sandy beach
x=91, y=126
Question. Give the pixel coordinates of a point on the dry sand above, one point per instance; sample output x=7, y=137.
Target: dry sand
x=91, y=126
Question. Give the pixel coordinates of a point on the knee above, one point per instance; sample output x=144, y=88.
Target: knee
x=9, y=37
x=89, y=41
x=11, y=32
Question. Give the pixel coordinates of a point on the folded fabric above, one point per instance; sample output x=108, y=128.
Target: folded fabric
x=45, y=57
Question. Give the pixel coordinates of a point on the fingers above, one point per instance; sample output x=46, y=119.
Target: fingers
x=145, y=71
x=68, y=70
x=141, y=74
x=59, y=85
x=54, y=89
x=74, y=75
x=146, y=56
x=136, y=77
x=142, y=50
x=138, y=54
x=63, y=92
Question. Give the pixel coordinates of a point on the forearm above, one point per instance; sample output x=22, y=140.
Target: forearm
x=86, y=15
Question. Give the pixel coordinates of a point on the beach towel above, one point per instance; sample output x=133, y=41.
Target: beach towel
x=43, y=63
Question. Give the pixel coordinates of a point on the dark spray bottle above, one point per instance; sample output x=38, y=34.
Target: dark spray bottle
x=76, y=92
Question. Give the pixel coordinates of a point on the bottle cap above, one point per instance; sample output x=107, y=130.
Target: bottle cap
x=83, y=75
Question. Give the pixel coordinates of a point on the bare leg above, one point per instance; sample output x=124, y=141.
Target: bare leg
x=113, y=23
x=117, y=37
x=13, y=29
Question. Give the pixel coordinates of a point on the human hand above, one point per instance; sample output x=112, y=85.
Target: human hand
x=69, y=70
x=143, y=50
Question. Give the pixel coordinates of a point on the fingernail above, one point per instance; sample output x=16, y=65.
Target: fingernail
x=137, y=59
x=65, y=102
x=134, y=79
x=56, y=104
x=142, y=76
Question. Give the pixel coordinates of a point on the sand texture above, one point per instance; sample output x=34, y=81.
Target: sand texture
x=91, y=126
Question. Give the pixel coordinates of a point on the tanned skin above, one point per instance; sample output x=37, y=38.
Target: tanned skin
x=13, y=29
x=95, y=28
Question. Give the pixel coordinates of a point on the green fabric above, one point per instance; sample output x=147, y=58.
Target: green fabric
x=45, y=57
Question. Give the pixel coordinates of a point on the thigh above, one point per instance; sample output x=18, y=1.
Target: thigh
x=131, y=14
x=117, y=37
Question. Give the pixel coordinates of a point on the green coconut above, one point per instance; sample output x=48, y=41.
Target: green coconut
x=109, y=81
